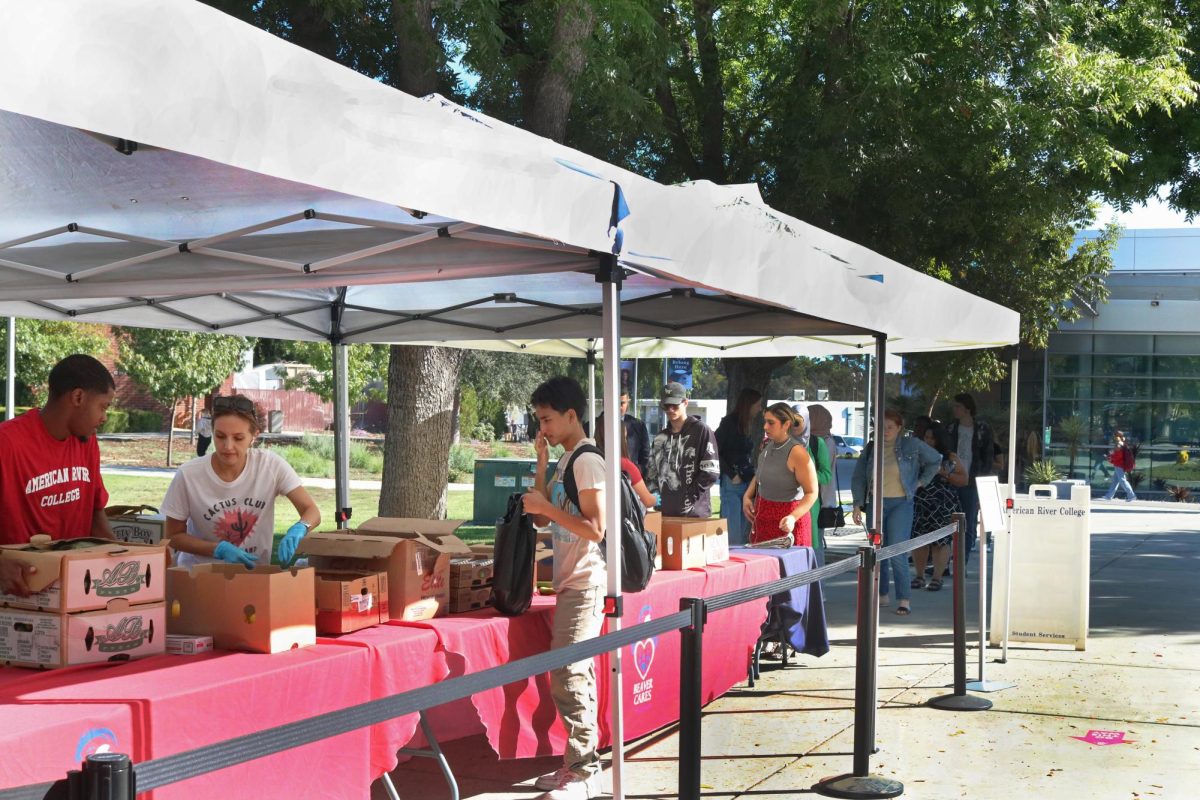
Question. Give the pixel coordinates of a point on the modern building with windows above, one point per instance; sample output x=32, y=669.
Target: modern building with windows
x=1130, y=364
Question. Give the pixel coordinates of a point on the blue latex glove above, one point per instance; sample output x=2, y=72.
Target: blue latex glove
x=290, y=541
x=232, y=554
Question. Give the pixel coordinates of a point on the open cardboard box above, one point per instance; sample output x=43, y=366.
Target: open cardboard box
x=265, y=610
x=118, y=632
x=349, y=600
x=134, y=524
x=716, y=543
x=415, y=554
x=85, y=574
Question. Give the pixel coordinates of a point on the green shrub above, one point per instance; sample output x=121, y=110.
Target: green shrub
x=366, y=458
x=1042, y=472
x=500, y=451
x=306, y=462
x=318, y=445
x=144, y=421
x=484, y=432
x=462, y=463
x=468, y=411
x=116, y=420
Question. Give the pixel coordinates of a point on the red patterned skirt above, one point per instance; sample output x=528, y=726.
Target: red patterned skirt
x=768, y=513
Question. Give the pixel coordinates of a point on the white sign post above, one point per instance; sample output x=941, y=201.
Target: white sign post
x=992, y=520
x=1041, y=592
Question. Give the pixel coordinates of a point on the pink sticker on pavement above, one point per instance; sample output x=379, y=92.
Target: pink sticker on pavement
x=1104, y=737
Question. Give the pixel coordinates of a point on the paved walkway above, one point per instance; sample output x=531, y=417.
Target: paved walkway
x=1140, y=675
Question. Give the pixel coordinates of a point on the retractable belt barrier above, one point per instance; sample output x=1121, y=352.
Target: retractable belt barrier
x=112, y=776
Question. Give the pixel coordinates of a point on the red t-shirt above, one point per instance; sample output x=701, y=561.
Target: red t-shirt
x=46, y=486
x=630, y=469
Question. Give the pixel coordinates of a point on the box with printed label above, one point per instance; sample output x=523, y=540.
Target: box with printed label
x=138, y=524
x=181, y=645
x=415, y=554
x=85, y=574
x=264, y=610
x=47, y=639
x=468, y=571
x=470, y=598
x=684, y=541
x=716, y=543
x=350, y=601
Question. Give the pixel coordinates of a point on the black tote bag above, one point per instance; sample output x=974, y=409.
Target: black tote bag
x=512, y=576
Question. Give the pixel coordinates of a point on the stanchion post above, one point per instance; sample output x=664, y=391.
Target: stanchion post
x=108, y=776
x=691, y=667
x=860, y=783
x=960, y=700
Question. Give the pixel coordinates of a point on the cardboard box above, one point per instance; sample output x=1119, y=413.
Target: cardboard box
x=716, y=543
x=653, y=524
x=468, y=571
x=417, y=562
x=47, y=639
x=181, y=645
x=683, y=540
x=85, y=574
x=264, y=610
x=470, y=598
x=137, y=524
x=350, y=601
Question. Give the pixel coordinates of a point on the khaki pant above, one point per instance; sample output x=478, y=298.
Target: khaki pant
x=578, y=616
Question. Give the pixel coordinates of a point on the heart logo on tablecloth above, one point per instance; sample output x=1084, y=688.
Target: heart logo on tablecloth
x=643, y=656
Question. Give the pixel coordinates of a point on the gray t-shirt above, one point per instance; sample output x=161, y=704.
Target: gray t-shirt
x=965, y=435
x=776, y=482
x=578, y=563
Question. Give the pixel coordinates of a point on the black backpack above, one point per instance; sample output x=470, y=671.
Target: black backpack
x=512, y=573
x=638, y=546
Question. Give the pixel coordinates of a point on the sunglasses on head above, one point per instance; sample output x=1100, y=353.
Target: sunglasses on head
x=242, y=404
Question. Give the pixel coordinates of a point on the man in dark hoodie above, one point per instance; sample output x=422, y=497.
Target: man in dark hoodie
x=683, y=459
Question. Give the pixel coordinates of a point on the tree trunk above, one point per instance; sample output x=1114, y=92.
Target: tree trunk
x=456, y=418
x=555, y=90
x=170, y=429
x=422, y=382
x=418, y=53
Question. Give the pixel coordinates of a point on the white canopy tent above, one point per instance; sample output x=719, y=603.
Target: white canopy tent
x=165, y=165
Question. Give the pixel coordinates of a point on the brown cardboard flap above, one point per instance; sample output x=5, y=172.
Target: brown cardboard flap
x=390, y=525
x=346, y=545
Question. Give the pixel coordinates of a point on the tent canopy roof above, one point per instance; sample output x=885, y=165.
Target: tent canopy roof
x=314, y=203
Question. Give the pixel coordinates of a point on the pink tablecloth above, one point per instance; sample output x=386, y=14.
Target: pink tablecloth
x=520, y=719
x=167, y=704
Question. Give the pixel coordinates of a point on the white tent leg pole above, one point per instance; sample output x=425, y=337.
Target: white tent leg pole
x=10, y=392
x=868, y=405
x=1012, y=494
x=591, y=367
x=341, y=434
x=613, y=433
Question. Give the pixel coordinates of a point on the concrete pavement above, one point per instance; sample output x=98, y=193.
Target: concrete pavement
x=1140, y=675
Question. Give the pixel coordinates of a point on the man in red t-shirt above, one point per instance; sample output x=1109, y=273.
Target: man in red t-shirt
x=50, y=463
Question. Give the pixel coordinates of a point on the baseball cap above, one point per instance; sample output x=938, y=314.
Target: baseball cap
x=673, y=394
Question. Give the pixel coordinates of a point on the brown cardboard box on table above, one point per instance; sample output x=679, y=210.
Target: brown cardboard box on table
x=653, y=524
x=684, y=541
x=470, y=598
x=118, y=632
x=134, y=524
x=349, y=600
x=415, y=554
x=264, y=610
x=716, y=543
x=85, y=574
x=472, y=570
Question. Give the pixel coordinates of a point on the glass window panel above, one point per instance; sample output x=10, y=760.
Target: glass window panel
x=1109, y=417
x=1177, y=366
x=1070, y=343
x=1121, y=389
x=1182, y=344
x=1070, y=365
x=1123, y=343
x=1176, y=389
x=1070, y=388
x=1176, y=424
x=1121, y=365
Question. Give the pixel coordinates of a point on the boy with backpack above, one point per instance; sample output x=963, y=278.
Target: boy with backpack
x=580, y=577
x=1122, y=462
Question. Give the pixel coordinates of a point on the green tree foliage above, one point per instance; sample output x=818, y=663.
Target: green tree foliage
x=173, y=364
x=43, y=343
x=366, y=369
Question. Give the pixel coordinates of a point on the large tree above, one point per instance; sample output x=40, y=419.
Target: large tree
x=174, y=364
x=43, y=343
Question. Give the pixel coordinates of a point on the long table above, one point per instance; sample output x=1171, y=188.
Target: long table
x=164, y=705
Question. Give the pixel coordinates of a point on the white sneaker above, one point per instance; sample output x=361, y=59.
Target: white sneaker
x=573, y=786
x=551, y=780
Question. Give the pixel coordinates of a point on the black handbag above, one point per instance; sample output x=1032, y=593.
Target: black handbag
x=832, y=517
x=512, y=575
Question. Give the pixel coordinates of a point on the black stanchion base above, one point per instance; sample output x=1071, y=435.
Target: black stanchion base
x=859, y=786
x=960, y=702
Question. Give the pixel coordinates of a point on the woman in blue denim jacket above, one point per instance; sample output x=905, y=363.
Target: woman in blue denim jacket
x=908, y=464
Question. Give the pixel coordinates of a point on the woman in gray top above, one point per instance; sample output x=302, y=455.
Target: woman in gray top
x=784, y=487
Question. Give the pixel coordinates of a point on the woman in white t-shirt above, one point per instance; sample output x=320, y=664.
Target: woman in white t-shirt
x=221, y=507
